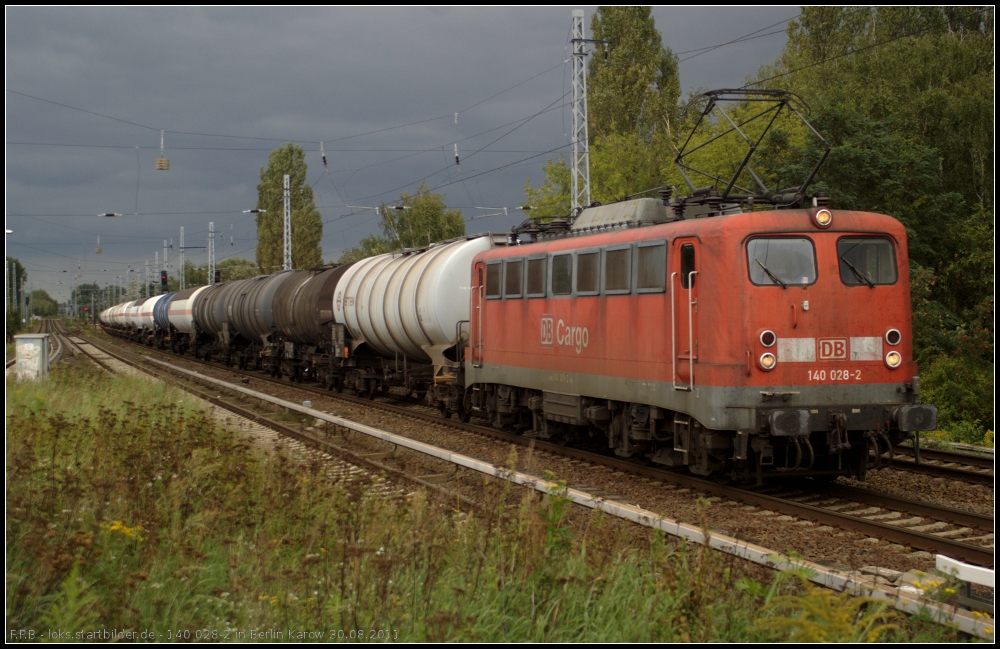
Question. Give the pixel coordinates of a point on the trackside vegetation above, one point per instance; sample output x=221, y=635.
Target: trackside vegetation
x=129, y=508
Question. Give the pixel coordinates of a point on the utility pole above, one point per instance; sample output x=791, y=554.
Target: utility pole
x=211, y=252
x=156, y=269
x=183, y=273
x=165, y=257
x=288, y=226
x=580, y=166
x=145, y=279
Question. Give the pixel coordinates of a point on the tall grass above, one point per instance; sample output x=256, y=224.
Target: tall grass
x=129, y=508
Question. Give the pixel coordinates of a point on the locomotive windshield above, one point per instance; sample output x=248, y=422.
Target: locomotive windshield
x=866, y=261
x=784, y=261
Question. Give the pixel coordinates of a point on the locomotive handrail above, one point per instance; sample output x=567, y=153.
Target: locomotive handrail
x=691, y=330
x=673, y=333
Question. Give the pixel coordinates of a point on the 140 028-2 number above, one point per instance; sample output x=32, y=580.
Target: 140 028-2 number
x=834, y=375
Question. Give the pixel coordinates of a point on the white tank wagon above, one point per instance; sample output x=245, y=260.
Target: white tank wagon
x=411, y=311
x=180, y=315
x=410, y=304
x=146, y=322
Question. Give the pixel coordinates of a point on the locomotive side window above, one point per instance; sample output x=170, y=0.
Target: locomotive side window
x=867, y=261
x=781, y=261
x=687, y=265
x=536, y=277
x=562, y=274
x=512, y=280
x=652, y=267
x=493, y=279
x=617, y=274
x=586, y=273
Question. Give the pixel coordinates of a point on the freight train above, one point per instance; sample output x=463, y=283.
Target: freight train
x=742, y=345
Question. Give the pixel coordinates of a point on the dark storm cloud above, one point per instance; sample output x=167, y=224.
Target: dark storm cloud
x=278, y=74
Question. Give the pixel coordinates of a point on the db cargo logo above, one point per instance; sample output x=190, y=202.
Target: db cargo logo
x=548, y=330
x=563, y=334
x=833, y=349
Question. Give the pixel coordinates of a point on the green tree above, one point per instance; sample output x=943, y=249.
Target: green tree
x=632, y=107
x=43, y=305
x=552, y=197
x=307, y=225
x=635, y=91
x=234, y=268
x=423, y=220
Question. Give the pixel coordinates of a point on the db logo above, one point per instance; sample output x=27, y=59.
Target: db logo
x=832, y=349
x=548, y=330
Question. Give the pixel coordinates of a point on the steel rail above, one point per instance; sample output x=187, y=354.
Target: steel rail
x=967, y=459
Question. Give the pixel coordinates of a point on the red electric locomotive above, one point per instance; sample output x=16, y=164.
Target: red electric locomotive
x=701, y=333
x=762, y=342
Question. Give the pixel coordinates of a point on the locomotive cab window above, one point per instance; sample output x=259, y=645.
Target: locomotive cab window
x=512, y=278
x=617, y=274
x=562, y=274
x=867, y=261
x=493, y=279
x=587, y=267
x=536, y=277
x=651, y=269
x=785, y=261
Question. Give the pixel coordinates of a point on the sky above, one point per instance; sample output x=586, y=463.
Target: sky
x=88, y=91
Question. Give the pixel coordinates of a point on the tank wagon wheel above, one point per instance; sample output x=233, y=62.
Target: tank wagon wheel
x=384, y=388
x=371, y=393
x=445, y=412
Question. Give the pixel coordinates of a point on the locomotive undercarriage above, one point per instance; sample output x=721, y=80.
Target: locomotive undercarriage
x=675, y=439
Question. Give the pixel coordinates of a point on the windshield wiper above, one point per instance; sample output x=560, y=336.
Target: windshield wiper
x=773, y=277
x=857, y=273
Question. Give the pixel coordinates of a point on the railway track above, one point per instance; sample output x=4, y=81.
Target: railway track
x=923, y=526
x=977, y=469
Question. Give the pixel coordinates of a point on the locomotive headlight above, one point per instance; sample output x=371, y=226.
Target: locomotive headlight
x=768, y=361
x=823, y=218
x=893, y=359
x=767, y=338
x=893, y=337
